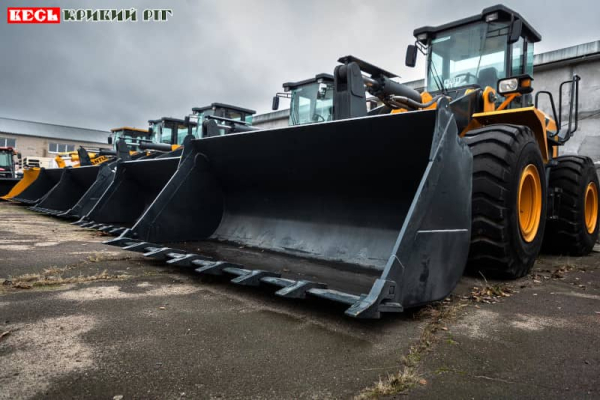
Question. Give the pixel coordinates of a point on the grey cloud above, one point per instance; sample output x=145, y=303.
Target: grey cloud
x=103, y=75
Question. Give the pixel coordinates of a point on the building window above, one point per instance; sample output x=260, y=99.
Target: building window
x=60, y=147
x=7, y=142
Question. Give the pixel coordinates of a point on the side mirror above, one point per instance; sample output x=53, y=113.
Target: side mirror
x=275, y=105
x=19, y=156
x=411, y=56
x=515, y=31
x=110, y=140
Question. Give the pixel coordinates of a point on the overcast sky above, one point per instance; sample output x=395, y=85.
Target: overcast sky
x=109, y=74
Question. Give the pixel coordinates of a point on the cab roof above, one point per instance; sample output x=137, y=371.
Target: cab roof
x=127, y=128
x=167, y=119
x=504, y=14
x=223, y=105
x=318, y=78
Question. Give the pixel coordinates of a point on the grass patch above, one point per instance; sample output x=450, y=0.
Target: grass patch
x=438, y=314
x=396, y=383
x=53, y=276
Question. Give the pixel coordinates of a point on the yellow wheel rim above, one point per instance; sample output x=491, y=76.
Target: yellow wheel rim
x=530, y=202
x=591, y=207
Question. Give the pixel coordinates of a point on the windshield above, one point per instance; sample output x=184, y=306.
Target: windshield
x=220, y=112
x=162, y=134
x=182, y=132
x=197, y=130
x=471, y=55
x=6, y=160
x=130, y=139
x=311, y=103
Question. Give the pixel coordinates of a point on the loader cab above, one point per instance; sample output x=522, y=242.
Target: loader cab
x=168, y=130
x=229, y=119
x=476, y=52
x=311, y=100
x=132, y=137
x=7, y=162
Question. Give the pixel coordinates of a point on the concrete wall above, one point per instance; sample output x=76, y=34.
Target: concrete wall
x=586, y=140
x=275, y=119
x=550, y=69
x=31, y=146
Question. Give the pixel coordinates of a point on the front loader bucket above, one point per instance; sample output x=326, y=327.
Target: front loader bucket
x=105, y=177
x=46, y=180
x=373, y=212
x=134, y=187
x=29, y=176
x=74, y=182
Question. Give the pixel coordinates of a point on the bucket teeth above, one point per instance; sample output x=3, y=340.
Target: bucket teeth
x=106, y=228
x=370, y=306
x=162, y=252
x=116, y=231
x=123, y=242
x=253, y=278
x=184, y=260
x=212, y=267
x=298, y=289
x=140, y=247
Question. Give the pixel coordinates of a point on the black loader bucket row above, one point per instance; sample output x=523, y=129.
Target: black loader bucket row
x=373, y=212
x=134, y=186
x=74, y=198
x=34, y=193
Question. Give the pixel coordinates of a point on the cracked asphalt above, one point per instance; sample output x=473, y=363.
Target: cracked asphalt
x=79, y=319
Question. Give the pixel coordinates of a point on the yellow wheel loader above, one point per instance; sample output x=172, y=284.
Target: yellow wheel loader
x=382, y=210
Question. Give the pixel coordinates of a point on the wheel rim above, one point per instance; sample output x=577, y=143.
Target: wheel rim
x=530, y=202
x=591, y=207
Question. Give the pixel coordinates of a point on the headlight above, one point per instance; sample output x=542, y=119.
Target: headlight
x=516, y=84
x=508, y=85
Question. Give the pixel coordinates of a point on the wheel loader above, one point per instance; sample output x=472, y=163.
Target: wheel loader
x=8, y=171
x=383, y=210
x=138, y=183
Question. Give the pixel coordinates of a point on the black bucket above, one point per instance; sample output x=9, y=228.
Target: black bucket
x=134, y=187
x=74, y=182
x=371, y=212
x=6, y=185
x=89, y=199
x=46, y=180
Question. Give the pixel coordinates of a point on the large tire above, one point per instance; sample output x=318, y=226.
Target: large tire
x=574, y=231
x=506, y=159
